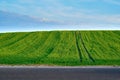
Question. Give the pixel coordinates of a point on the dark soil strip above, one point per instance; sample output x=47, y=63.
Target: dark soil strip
x=86, y=48
x=78, y=48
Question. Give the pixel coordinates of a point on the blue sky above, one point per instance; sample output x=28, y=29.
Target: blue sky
x=68, y=12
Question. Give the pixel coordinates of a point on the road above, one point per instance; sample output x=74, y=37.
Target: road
x=41, y=73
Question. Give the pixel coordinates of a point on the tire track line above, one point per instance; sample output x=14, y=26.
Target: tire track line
x=90, y=57
x=78, y=48
x=11, y=43
x=35, y=44
x=49, y=48
x=6, y=37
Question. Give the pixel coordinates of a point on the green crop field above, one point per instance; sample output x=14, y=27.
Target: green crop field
x=60, y=48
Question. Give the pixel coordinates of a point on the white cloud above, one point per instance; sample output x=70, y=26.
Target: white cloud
x=54, y=10
x=116, y=2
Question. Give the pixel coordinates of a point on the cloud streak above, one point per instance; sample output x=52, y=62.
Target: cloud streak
x=76, y=12
x=116, y=2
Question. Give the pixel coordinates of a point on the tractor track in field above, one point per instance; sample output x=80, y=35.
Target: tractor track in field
x=50, y=50
x=46, y=55
x=71, y=48
x=78, y=48
x=11, y=43
x=37, y=44
x=81, y=39
x=8, y=37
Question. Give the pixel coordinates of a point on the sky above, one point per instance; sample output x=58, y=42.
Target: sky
x=80, y=13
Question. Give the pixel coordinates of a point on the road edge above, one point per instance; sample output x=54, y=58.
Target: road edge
x=59, y=66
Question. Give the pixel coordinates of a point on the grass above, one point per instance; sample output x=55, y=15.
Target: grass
x=68, y=48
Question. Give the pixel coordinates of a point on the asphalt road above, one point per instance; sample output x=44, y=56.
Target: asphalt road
x=59, y=73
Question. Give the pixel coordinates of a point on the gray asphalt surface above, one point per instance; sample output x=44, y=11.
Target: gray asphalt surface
x=59, y=73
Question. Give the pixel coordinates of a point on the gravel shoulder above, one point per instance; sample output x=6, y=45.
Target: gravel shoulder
x=43, y=66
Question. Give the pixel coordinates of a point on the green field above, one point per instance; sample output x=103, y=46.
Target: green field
x=60, y=48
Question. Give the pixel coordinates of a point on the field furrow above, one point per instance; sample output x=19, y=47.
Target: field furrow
x=86, y=50
x=61, y=48
x=77, y=45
